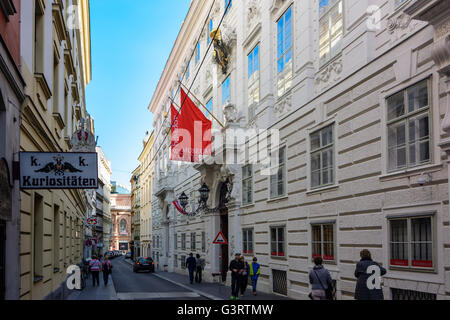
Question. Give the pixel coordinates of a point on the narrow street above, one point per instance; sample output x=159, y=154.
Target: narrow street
x=146, y=286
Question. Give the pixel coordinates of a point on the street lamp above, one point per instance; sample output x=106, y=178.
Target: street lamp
x=204, y=196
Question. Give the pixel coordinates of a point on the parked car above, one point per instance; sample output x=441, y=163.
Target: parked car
x=116, y=253
x=128, y=255
x=110, y=255
x=144, y=264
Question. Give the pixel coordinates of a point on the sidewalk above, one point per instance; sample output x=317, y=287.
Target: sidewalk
x=95, y=293
x=213, y=291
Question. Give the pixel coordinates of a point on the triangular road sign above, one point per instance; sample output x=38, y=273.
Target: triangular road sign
x=220, y=239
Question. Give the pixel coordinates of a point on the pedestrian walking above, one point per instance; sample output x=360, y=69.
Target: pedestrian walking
x=200, y=266
x=362, y=273
x=236, y=267
x=320, y=279
x=255, y=270
x=191, y=264
x=95, y=266
x=106, y=269
x=244, y=276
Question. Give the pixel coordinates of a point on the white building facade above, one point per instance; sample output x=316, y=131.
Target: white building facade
x=358, y=92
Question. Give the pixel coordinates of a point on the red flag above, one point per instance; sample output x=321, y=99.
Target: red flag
x=192, y=133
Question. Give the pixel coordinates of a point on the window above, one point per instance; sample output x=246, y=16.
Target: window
x=56, y=238
x=183, y=262
x=188, y=70
x=175, y=261
x=331, y=26
x=228, y=4
x=399, y=2
x=203, y=241
x=322, y=157
x=55, y=96
x=247, y=184
x=323, y=242
x=38, y=38
x=226, y=90
x=197, y=53
x=123, y=227
x=183, y=241
x=277, y=242
x=175, y=241
x=38, y=233
x=278, y=180
x=409, y=128
x=210, y=29
x=284, y=45
x=193, y=241
x=253, y=81
x=209, y=106
x=411, y=242
x=247, y=241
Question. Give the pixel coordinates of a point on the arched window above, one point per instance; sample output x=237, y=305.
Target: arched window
x=123, y=226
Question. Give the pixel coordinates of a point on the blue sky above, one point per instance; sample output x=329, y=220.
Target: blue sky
x=131, y=41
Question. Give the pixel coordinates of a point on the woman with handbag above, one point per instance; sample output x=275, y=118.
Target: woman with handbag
x=320, y=279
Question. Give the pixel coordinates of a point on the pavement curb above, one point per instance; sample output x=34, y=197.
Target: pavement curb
x=206, y=295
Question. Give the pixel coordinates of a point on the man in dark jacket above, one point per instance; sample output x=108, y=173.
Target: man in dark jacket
x=236, y=267
x=191, y=264
x=368, y=287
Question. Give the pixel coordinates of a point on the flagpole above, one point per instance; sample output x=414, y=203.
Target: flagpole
x=189, y=91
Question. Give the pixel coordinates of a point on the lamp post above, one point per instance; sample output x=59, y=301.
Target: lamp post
x=204, y=196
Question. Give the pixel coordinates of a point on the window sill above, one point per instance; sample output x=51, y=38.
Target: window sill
x=248, y=206
x=278, y=258
x=408, y=172
x=282, y=198
x=38, y=279
x=323, y=189
x=413, y=270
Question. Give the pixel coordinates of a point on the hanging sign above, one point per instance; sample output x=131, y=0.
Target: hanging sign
x=220, y=239
x=92, y=221
x=41, y=170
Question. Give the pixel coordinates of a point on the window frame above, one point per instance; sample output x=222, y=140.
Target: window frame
x=255, y=83
x=404, y=118
x=322, y=242
x=434, y=253
x=183, y=241
x=251, y=181
x=320, y=150
x=227, y=79
x=322, y=16
x=285, y=71
x=245, y=244
x=193, y=241
x=284, y=253
x=285, y=165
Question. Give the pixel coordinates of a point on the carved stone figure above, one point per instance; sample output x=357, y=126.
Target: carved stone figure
x=221, y=50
